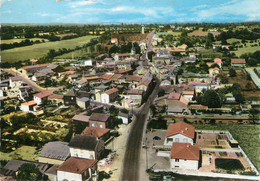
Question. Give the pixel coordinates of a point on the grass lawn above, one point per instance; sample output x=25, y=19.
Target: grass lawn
x=25, y=152
x=19, y=40
x=247, y=49
x=209, y=53
x=246, y=135
x=39, y=50
x=228, y=164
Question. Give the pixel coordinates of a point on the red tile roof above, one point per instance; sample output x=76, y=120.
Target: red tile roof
x=111, y=91
x=217, y=60
x=135, y=92
x=30, y=103
x=146, y=83
x=81, y=117
x=238, y=61
x=17, y=78
x=34, y=60
x=35, y=66
x=55, y=96
x=43, y=94
x=181, y=128
x=77, y=165
x=95, y=132
x=185, y=151
x=174, y=96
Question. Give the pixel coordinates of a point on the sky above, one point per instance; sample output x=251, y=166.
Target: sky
x=128, y=11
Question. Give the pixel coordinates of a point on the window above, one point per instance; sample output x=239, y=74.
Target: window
x=101, y=126
x=177, y=139
x=93, y=125
x=185, y=160
x=169, y=139
x=176, y=160
x=176, y=166
x=185, y=140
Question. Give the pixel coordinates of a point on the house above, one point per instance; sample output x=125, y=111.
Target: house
x=121, y=56
x=218, y=61
x=42, y=74
x=28, y=106
x=98, y=133
x=180, y=132
x=54, y=152
x=238, y=63
x=99, y=120
x=13, y=166
x=86, y=147
x=109, y=96
x=165, y=83
x=200, y=86
x=190, y=77
x=185, y=156
x=81, y=117
x=135, y=95
x=124, y=117
x=16, y=82
x=143, y=85
x=188, y=95
x=114, y=41
x=42, y=97
x=77, y=169
x=83, y=102
x=52, y=173
x=30, y=70
x=214, y=71
x=56, y=99
x=70, y=99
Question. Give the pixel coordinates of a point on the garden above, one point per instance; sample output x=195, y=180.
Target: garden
x=228, y=164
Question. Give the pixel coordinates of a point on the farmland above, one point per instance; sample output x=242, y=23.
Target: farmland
x=40, y=50
x=83, y=52
x=247, y=137
x=21, y=39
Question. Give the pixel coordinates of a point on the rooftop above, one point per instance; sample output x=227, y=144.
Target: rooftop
x=55, y=150
x=238, y=61
x=181, y=128
x=94, y=132
x=185, y=151
x=43, y=94
x=174, y=96
x=77, y=165
x=84, y=142
x=99, y=117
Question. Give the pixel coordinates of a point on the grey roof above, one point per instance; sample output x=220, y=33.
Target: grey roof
x=13, y=166
x=83, y=99
x=55, y=150
x=52, y=66
x=101, y=87
x=84, y=142
x=125, y=115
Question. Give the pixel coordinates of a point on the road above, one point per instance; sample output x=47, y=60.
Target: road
x=28, y=81
x=148, y=46
x=131, y=171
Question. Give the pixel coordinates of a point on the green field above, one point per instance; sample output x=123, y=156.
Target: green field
x=84, y=52
x=246, y=135
x=247, y=49
x=25, y=152
x=21, y=39
x=39, y=50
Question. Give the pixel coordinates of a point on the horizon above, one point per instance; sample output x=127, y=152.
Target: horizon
x=129, y=12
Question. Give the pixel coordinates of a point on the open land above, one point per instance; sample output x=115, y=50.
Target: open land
x=40, y=50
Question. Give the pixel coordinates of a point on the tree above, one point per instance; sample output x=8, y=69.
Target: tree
x=210, y=99
x=29, y=172
x=232, y=72
x=223, y=78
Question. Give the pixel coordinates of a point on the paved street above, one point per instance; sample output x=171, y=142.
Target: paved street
x=131, y=169
x=28, y=81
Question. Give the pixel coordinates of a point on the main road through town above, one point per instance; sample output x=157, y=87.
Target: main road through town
x=130, y=171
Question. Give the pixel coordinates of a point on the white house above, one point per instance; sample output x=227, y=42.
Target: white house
x=109, y=96
x=86, y=147
x=77, y=169
x=28, y=106
x=15, y=82
x=143, y=85
x=185, y=156
x=180, y=132
x=188, y=95
x=124, y=117
x=42, y=96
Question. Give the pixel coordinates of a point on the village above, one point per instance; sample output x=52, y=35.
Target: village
x=168, y=106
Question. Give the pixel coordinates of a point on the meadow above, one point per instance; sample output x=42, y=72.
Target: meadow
x=39, y=50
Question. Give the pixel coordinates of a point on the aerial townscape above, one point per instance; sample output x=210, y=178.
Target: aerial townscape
x=149, y=100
